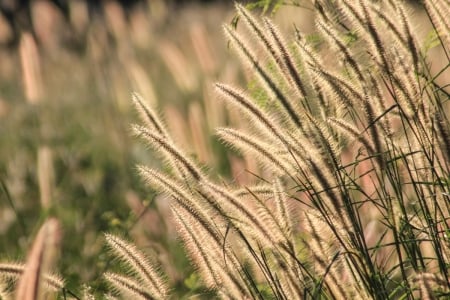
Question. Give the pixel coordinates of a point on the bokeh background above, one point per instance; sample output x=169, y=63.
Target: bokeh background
x=67, y=70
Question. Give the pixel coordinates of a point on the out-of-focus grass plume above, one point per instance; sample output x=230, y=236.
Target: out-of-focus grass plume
x=66, y=76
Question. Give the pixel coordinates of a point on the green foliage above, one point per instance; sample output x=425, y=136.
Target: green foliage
x=266, y=5
x=431, y=41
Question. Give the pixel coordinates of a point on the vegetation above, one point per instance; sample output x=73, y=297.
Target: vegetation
x=350, y=127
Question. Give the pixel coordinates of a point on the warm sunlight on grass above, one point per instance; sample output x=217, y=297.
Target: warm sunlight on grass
x=167, y=151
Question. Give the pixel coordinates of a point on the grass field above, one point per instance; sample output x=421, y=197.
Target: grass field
x=65, y=115
x=336, y=185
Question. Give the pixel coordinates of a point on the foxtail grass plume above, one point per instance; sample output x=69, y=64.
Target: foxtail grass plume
x=380, y=107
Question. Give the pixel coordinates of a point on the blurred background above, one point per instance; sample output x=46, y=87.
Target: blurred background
x=67, y=70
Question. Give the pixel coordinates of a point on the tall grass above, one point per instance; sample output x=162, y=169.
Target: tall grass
x=65, y=146
x=357, y=157
x=352, y=132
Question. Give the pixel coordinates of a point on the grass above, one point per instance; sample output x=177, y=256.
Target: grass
x=350, y=130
